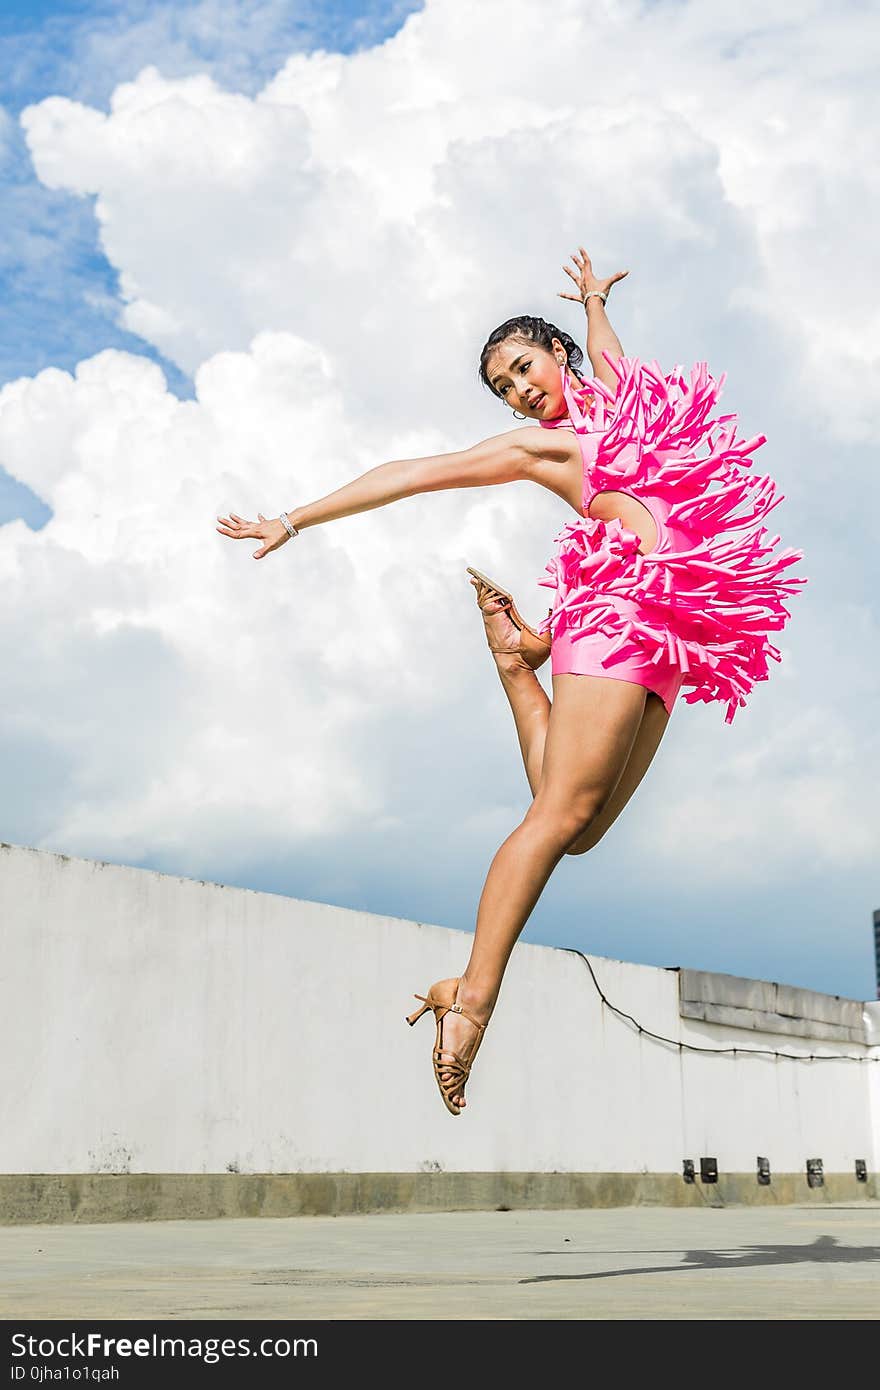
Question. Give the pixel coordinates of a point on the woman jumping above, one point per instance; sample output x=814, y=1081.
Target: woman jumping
x=665, y=578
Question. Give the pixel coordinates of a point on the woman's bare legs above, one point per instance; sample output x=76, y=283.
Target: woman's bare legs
x=531, y=714
x=647, y=741
x=591, y=731
x=525, y=693
x=531, y=710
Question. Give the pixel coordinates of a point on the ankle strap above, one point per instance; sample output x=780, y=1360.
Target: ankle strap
x=457, y=1009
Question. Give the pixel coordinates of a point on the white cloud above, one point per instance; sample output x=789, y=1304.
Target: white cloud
x=328, y=257
x=219, y=210
x=279, y=668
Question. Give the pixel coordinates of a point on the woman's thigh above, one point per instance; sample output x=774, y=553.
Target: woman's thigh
x=647, y=741
x=591, y=732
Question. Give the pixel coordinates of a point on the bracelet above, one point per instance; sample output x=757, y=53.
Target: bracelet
x=603, y=295
x=287, y=524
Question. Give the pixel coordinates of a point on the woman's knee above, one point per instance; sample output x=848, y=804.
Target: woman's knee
x=587, y=839
x=567, y=825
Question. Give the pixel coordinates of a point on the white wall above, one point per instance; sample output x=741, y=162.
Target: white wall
x=157, y=1024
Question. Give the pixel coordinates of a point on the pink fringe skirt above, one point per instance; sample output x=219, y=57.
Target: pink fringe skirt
x=697, y=610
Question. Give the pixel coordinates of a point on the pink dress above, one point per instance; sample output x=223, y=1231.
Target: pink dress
x=695, y=611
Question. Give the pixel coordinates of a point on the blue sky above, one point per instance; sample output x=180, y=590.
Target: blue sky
x=57, y=288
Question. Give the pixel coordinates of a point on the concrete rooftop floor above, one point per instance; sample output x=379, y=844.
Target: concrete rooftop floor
x=635, y=1262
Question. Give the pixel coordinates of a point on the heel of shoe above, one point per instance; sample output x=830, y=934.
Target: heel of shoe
x=414, y=1018
x=534, y=647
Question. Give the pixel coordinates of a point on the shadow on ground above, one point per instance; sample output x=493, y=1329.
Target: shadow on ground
x=824, y=1250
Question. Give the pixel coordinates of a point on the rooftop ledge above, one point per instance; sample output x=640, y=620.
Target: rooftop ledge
x=766, y=1007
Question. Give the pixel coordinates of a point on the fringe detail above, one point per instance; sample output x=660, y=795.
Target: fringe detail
x=707, y=609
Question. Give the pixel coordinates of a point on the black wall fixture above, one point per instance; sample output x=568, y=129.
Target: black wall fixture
x=763, y=1172
x=708, y=1170
x=815, y=1175
x=687, y=1170
x=861, y=1170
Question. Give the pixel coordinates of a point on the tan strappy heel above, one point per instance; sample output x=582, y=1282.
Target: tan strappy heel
x=441, y=997
x=533, y=647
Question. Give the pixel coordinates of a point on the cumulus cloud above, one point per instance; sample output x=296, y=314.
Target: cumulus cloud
x=391, y=139
x=326, y=257
x=278, y=671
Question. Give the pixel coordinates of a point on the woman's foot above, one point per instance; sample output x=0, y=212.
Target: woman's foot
x=460, y=1015
x=502, y=634
x=460, y=1037
x=514, y=645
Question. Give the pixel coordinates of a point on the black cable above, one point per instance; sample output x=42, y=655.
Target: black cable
x=692, y=1047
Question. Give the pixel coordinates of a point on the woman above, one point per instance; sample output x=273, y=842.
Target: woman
x=665, y=578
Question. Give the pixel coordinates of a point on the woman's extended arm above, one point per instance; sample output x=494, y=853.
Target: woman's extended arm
x=601, y=337
x=504, y=458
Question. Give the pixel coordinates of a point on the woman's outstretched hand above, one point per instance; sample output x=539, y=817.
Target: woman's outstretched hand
x=583, y=277
x=272, y=533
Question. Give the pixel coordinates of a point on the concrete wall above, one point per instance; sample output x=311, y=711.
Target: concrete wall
x=165, y=1026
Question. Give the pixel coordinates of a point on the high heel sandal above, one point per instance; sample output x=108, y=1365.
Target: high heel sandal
x=441, y=997
x=533, y=647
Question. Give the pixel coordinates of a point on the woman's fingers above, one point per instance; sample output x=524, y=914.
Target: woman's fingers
x=237, y=527
x=584, y=276
x=266, y=530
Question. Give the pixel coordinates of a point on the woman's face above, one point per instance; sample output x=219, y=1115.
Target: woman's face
x=526, y=377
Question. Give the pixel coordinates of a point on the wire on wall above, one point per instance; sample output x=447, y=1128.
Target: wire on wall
x=693, y=1047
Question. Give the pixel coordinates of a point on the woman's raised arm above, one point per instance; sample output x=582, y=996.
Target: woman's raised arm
x=601, y=337
x=504, y=458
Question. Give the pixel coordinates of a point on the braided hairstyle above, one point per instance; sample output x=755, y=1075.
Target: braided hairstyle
x=533, y=330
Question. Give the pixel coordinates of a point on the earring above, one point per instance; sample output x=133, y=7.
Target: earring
x=517, y=416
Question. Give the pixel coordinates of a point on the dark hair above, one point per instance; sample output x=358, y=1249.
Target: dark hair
x=534, y=330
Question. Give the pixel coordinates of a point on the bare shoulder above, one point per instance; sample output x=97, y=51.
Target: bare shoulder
x=553, y=460
x=555, y=446
x=547, y=446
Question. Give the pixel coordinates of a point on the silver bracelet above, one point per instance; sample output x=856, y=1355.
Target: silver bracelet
x=603, y=295
x=287, y=524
